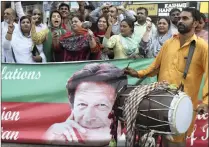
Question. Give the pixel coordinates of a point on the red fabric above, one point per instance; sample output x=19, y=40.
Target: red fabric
x=98, y=34
x=80, y=31
x=65, y=27
x=35, y=119
x=85, y=53
x=199, y=137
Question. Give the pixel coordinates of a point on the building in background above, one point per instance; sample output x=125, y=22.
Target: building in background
x=157, y=9
x=152, y=9
x=204, y=8
x=29, y=6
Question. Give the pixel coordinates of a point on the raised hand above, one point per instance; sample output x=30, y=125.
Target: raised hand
x=111, y=20
x=11, y=26
x=91, y=34
x=149, y=26
x=55, y=35
x=34, y=19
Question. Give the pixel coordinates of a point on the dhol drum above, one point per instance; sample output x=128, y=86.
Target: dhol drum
x=165, y=111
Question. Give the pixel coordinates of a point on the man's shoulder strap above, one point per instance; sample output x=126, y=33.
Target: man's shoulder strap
x=189, y=58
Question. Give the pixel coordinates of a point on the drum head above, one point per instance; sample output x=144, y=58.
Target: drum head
x=182, y=115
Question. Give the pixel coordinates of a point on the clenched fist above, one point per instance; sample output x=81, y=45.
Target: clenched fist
x=34, y=19
x=131, y=72
x=11, y=26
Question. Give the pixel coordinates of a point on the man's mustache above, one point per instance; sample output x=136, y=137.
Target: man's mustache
x=181, y=24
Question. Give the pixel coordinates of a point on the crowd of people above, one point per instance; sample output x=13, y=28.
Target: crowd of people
x=112, y=32
x=102, y=33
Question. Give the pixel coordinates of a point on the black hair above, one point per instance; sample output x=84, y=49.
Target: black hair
x=195, y=13
x=64, y=4
x=51, y=13
x=99, y=73
x=102, y=16
x=25, y=17
x=143, y=8
x=89, y=7
x=54, y=11
x=202, y=15
x=173, y=10
x=80, y=17
x=130, y=23
x=167, y=20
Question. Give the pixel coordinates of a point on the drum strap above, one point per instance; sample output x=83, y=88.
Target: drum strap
x=188, y=62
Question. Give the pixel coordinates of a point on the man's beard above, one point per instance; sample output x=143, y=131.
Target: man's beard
x=183, y=29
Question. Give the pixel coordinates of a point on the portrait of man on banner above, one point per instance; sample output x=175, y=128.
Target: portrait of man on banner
x=92, y=93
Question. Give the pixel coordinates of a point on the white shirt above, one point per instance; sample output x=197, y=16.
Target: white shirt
x=25, y=43
x=6, y=54
x=139, y=30
x=22, y=50
x=22, y=47
x=40, y=27
x=174, y=29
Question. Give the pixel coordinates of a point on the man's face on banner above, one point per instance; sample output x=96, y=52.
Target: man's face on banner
x=93, y=102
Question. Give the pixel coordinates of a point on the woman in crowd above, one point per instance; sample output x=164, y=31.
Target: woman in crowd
x=200, y=30
x=79, y=44
x=46, y=36
x=124, y=45
x=151, y=45
x=21, y=45
x=101, y=28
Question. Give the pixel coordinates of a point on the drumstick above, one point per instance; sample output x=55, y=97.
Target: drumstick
x=128, y=64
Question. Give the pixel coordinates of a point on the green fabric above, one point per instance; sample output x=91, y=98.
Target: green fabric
x=51, y=86
x=130, y=44
x=112, y=143
x=47, y=45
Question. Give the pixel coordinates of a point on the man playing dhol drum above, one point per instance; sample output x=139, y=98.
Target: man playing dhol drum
x=170, y=63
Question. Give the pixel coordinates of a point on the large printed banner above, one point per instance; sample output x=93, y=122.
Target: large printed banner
x=69, y=103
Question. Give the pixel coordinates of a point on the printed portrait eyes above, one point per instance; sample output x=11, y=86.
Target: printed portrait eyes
x=82, y=104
